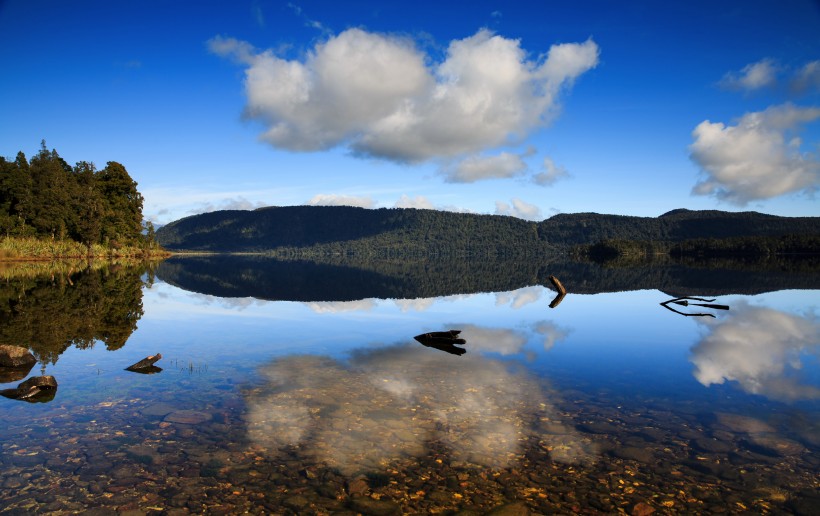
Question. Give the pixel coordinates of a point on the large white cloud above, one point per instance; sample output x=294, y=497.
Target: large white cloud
x=383, y=97
x=762, y=350
x=758, y=158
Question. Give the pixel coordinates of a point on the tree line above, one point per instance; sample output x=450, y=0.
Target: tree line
x=316, y=231
x=47, y=198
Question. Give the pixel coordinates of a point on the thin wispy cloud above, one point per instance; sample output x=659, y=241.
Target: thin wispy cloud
x=758, y=158
x=380, y=96
x=754, y=76
x=477, y=168
x=807, y=78
x=770, y=74
x=550, y=173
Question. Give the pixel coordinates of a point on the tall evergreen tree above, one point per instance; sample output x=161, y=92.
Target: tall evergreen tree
x=123, y=214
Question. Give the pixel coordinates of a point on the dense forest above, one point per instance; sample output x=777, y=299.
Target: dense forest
x=322, y=230
x=46, y=198
x=339, y=230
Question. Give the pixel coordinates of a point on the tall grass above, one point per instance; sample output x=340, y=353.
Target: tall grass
x=28, y=248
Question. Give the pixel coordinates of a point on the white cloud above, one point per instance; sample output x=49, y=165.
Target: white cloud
x=519, y=208
x=807, y=78
x=769, y=73
x=337, y=307
x=341, y=200
x=419, y=202
x=415, y=305
x=519, y=298
x=758, y=158
x=753, y=76
x=495, y=340
x=239, y=51
x=477, y=168
x=550, y=173
x=236, y=203
x=380, y=96
x=551, y=332
x=761, y=349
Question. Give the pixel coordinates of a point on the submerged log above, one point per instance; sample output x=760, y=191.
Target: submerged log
x=562, y=292
x=146, y=365
x=558, y=285
x=685, y=301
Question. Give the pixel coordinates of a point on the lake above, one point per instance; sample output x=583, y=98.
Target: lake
x=294, y=387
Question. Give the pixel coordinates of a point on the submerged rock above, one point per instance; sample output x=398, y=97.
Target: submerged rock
x=14, y=374
x=37, y=389
x=16, y=356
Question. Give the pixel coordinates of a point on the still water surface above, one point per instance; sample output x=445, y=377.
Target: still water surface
x=607, y=403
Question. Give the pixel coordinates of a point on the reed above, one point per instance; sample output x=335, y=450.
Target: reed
x=29, y=248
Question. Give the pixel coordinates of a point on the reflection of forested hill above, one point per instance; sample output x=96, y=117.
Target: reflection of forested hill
x=352, y=279
x=327, y=230
x=271, y=279
x=50, y=313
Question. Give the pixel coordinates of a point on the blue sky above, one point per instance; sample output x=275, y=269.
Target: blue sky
x=519, y=108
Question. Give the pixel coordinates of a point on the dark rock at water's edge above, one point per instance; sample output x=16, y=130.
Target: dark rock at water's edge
x=16, y=356
x=37, y=389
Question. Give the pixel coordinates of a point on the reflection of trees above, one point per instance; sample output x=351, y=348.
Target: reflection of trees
x=761, y=349
x=50, y=313
x=350, y=278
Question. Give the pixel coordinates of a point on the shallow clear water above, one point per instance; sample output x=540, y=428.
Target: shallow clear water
x=606, y=403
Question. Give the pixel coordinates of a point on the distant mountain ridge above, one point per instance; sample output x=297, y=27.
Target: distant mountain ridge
x=346, y=229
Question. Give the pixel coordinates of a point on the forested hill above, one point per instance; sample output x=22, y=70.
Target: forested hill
x=349, y=229
x=332, y=229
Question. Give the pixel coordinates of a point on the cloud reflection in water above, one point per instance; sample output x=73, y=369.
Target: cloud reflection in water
x=390, y=403
x=761, y=349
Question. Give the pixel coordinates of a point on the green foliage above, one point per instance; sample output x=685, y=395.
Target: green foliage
x=46, y=198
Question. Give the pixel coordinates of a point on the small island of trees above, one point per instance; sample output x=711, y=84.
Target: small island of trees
x=49, y=209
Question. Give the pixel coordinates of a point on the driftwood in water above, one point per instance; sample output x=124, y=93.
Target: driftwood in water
x=684, y=301
x=146, y=365
x=562, y=292
x=443, y=340
x=36, y=389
